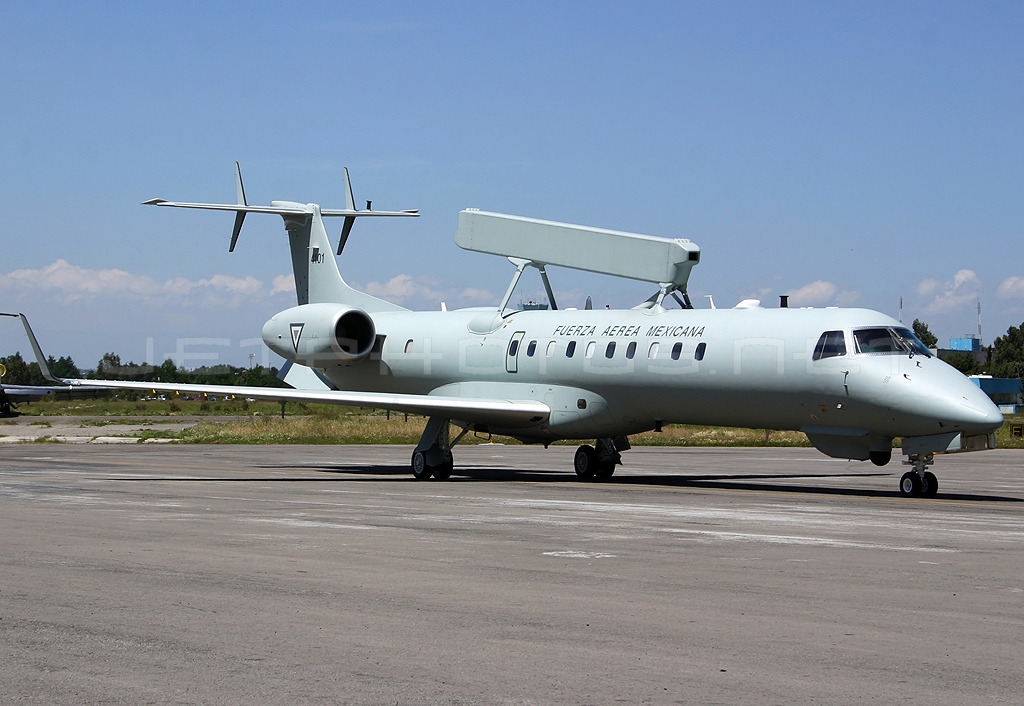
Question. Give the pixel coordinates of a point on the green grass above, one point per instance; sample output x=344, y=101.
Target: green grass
x=260, y=423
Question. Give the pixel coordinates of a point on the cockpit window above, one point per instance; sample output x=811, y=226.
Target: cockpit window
x=889, y=340
x=907, y=338
x=876, y=340
x=830, y=345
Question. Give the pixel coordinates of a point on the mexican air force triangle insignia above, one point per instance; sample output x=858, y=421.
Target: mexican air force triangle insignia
x=296, y=334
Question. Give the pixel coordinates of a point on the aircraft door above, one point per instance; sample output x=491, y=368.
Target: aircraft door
x=512, y=354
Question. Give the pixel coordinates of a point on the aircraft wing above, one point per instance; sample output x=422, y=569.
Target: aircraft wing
x=516, y=413
x=503, y=412
x=31, y=393
x=20, y=393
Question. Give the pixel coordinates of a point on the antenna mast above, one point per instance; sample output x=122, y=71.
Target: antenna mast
x=979, y=318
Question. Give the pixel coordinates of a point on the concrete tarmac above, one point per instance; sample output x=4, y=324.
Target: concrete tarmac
x=315, y=575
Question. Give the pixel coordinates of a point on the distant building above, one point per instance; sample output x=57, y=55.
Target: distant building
x=967, y=344
x=1005, y=392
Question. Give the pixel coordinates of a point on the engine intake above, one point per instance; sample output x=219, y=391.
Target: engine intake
x=321, y=334
x=354, y=334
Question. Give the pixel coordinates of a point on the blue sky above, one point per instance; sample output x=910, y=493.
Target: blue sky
x=845, y=153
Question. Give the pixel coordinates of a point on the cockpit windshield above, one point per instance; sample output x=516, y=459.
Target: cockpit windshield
x=889, y=340
x=908, y=339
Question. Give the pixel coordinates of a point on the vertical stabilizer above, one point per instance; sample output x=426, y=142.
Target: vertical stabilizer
x=317, y=278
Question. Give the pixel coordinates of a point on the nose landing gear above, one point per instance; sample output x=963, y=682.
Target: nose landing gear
x=919, y=482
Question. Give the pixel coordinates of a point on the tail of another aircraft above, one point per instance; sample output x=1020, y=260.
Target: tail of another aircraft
x=317, y=278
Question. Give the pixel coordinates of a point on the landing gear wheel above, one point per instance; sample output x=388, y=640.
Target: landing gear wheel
x=910, y=484
x=604, y=470
x=585, y=462
x=444, y=471
x=420, y=469
x=930, y=486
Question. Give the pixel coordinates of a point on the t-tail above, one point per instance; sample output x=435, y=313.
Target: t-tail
x=317, y=278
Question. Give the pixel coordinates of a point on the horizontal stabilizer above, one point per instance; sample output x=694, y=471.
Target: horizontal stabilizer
x=289, y=210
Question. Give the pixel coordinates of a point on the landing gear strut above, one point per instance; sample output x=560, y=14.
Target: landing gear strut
x=599, y=463
x=433, y=454
x=919, y=482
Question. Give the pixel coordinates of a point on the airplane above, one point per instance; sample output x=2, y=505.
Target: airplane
x=852, y=380
x=13, y=395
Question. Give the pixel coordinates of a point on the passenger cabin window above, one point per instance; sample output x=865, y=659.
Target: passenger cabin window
x=699, y=353
x=591, y=347
x=551, y=349
x=831, y=345
x=531, y=349
x=677, y=350
x=652, y=353
x=610, y=350
x=631, y=350
x=889, y=340
x=570, y=350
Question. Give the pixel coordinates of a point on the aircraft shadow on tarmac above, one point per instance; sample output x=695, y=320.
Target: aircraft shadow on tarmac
x=751, y=481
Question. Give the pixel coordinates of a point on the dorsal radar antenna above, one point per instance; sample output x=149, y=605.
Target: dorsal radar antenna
x=289, y=210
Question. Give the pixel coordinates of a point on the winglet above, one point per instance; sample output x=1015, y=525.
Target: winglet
x=239, y=215
x=40, y=358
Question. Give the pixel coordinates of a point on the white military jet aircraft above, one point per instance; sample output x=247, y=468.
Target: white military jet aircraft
x=852, y=380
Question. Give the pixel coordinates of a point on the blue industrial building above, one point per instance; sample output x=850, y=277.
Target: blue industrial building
x=1005, y=392
x=967, y=344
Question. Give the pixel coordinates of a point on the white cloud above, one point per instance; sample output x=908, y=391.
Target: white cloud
x=477, y=297
x=946, y=296
x=66, y=283
x=402, y=289
x=283, y=284
x=1011, y=288
x=927, y=287
x=822, y=293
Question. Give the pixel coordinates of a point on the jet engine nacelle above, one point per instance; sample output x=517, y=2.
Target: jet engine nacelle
x=318, y=335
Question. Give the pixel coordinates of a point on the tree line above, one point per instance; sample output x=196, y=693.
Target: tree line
x=110, y=367
x=1005, y=355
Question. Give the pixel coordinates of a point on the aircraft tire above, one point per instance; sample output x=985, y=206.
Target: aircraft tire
x=931, y=485
x=910, y=484
x=420, y=469
x=444, y=471
x=585, y=461
x=604, y=470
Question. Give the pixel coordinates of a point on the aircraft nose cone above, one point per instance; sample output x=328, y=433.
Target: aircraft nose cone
x=978, y=412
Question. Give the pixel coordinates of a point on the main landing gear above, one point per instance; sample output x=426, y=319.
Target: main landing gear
x=599, y=463
x=433, y=455
x=919, y=482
